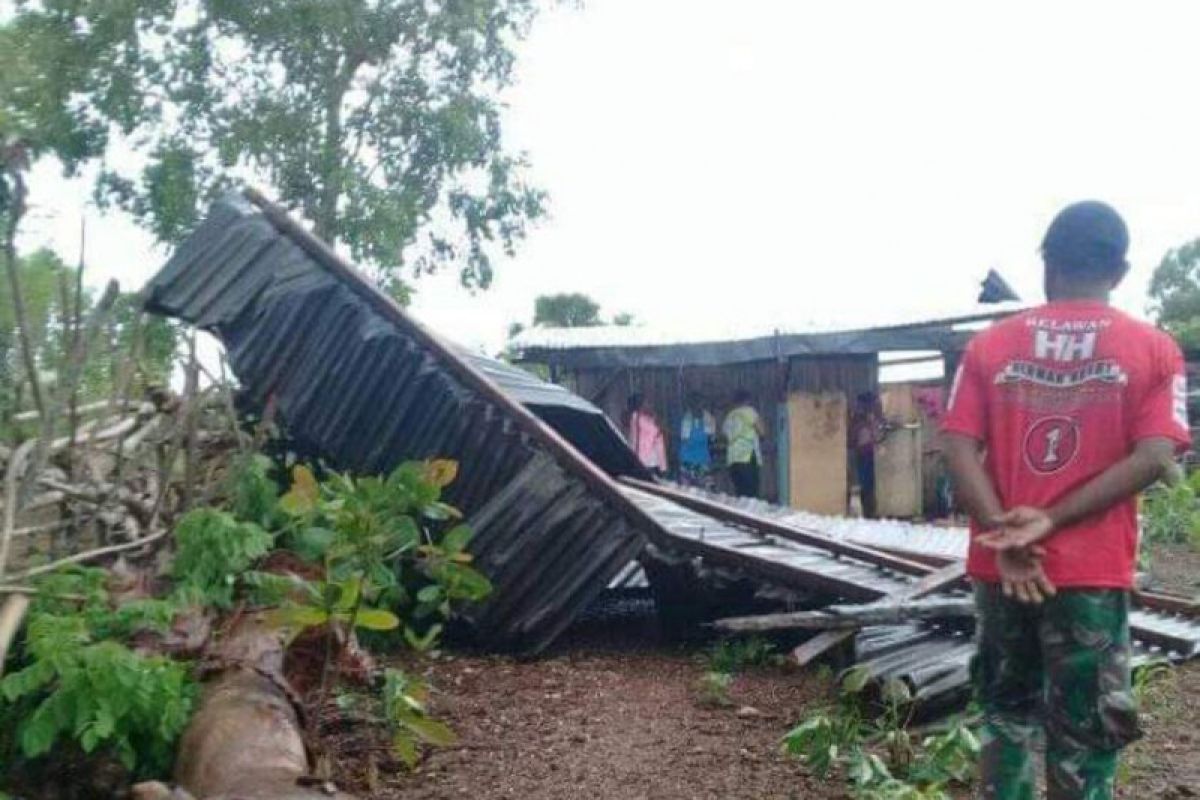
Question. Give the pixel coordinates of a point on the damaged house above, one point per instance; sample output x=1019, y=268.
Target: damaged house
x=560, y=506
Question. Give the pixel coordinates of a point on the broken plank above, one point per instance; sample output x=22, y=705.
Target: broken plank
x=947, y=577
x=844, y=617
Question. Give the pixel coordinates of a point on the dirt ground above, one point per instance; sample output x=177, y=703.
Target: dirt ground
x=621, y=719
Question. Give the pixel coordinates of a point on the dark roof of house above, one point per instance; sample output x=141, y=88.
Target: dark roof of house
x=617, y=347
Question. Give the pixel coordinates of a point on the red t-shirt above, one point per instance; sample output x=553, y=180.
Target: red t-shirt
x=1057, y=395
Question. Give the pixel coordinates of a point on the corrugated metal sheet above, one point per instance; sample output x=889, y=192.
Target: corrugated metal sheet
x=768, y=559
x=932, y=657
x=725, y=341
x=364, y=384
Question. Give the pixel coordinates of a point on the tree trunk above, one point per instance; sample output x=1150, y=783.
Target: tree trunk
x=326, y=226
x=16, y=210
x=245, y=739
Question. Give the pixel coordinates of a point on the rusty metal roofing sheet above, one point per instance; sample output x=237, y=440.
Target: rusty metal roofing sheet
x=354, y=376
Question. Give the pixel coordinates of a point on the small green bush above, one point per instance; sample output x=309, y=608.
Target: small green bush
x=1171, y=514
x=76, y=680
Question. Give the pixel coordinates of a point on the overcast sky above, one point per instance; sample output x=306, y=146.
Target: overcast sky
x=717, y=165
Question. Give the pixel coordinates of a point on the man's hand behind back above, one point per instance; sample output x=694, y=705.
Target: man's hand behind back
x=1022, y=576
x=1018, y=528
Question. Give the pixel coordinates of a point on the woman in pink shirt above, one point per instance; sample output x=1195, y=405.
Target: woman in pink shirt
x=646, y=436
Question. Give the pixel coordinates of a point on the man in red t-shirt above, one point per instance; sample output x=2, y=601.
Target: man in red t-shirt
x=1057, y=418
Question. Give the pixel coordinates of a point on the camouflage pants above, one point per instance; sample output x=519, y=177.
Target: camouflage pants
x=1062, y=668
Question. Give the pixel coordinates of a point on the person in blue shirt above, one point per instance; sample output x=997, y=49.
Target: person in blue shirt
x=697, y=432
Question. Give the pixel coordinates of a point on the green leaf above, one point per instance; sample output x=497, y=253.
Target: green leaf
x=349, y=591
x=430, y=594
x=405, y=746
x=422, y=643
x=311, y=542
x=457, y=539
x=855, y=679
x=376, y=619
x=431, y=731
x=304, y=494
x=296, y=616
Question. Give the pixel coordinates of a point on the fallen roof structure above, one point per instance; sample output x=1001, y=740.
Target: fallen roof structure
x=356, y=377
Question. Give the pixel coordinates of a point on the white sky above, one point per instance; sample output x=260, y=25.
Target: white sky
x=774, y=161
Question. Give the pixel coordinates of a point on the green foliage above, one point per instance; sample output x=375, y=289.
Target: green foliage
x=45, y=283
x=734, y=655
x=212, y=549
x=822, y=739
x=76, y=680
x=1171, y=514
x=405, y=707
x=394, y=536
x=839, y=737
x=378, y=120
x=385, y=543
x=713, y=689
x=567, y=310
x=1175, y=292
x=950, y=757
x=1150, y=679
x=253, y=493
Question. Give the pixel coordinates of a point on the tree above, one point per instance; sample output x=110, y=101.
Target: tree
x=568, y=310
x=1175, y=292
x=377, y=120
x=47, y=289
x=623, y=320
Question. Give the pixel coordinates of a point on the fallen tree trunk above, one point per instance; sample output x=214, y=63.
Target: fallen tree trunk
x=245, y=740
x=841, y=617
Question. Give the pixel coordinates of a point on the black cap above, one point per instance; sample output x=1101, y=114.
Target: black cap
x=1087, y=237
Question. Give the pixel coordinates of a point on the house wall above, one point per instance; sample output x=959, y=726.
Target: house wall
x=665, y=390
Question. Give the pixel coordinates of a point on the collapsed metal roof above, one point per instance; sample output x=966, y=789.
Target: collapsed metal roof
x=354, y=376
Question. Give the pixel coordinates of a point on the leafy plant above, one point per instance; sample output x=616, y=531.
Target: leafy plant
x=78, y=681
x=892, y=727
x=840, y=738
x=1149, y=678
x=1171, y=514
x=393, y=558
x=212, y=549
x=391, y=536
x=253, y=493
x=713, y=689
x=819, y=741
x=734, y=655
x=405, y=702
x=950, y=757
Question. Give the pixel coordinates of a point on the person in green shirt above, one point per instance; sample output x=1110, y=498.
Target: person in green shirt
x=743, y=430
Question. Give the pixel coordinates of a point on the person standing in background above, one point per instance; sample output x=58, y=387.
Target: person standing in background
x=696, y=434
x=646, y=436
x=867, y=429
x=743, y=430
